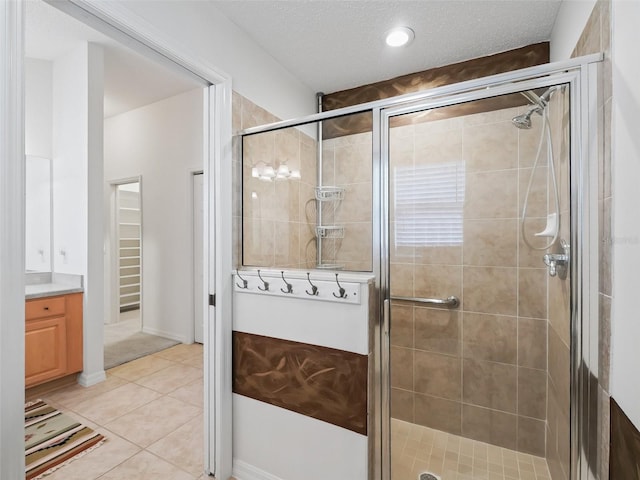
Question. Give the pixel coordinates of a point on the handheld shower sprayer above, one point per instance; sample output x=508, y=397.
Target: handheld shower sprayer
x=539, y=105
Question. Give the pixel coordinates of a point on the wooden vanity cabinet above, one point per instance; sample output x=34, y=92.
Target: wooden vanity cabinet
x=53, y=338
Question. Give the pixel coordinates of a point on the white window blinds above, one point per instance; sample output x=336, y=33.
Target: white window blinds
x=428, y=203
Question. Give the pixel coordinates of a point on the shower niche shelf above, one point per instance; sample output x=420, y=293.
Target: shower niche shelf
x=329, y=231
x=329, y=194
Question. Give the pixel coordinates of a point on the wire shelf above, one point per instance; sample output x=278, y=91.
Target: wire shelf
x=329, y=231
x=329, y=194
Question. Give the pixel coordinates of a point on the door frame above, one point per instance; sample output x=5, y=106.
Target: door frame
x=112, y=270
x=12, y=248
x=125, y=26
x=584, y=145
x=193, y=173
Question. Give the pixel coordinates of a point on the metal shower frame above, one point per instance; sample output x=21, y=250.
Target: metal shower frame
x=582, y=76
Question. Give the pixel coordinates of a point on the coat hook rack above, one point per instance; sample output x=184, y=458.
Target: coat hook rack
x=245, y=283
x=289, y=286
x=266, y=284
x=298, y=285
x=314, y=289
x=341, y=290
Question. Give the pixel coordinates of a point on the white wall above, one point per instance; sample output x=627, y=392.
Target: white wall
x=162, y=142
x=571, y=20
x=77, y=175
x=38, y=104
x=93, y=370
x=625, y=387
x=207, y=34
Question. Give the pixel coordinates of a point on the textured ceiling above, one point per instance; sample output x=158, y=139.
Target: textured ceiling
x=333, y=45
x=130, y=79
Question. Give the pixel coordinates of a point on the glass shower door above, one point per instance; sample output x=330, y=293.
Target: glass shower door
x=479, y=216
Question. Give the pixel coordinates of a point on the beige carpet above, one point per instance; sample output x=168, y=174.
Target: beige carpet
x=123, y=341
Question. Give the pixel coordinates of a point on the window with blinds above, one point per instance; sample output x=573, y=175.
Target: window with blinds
x=428, y=203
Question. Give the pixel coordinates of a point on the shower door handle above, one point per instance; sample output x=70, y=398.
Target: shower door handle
x=451, y=301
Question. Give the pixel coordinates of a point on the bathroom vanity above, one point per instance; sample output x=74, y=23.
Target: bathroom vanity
x=53, y=331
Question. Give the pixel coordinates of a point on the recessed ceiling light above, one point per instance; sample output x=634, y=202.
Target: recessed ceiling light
x=399, y=37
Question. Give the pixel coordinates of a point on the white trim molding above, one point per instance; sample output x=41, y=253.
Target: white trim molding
x=121, y=23
x=163, y=333
x=91, y=379
x=246, y=471
x=12, y=236
x=221, y=256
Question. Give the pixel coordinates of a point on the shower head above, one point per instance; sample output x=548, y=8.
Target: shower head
x=538, y=104
x=524, y=120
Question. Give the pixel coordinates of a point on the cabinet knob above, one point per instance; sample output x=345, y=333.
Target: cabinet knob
x=46, y=308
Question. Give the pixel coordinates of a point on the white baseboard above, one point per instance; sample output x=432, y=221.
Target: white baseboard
x=245, y=471
x=92, y=378
x=162, y=333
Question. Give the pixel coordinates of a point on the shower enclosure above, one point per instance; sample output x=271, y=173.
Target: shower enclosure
x=473, y=206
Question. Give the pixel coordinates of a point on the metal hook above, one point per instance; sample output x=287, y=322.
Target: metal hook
x=314, y=289
x=266, y=284
x=245, y=284
x=342, y=290
x=289, y=286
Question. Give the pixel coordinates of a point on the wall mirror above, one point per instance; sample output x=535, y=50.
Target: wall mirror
x=38, y=214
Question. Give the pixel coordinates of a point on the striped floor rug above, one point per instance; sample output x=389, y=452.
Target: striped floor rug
x=52, y=439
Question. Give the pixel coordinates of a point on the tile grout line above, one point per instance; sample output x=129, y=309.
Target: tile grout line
x=139, y=448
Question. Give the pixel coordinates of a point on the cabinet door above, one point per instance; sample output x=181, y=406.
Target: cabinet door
x=45, y=350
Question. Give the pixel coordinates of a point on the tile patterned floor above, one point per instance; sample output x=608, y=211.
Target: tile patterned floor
x=150, y=410
x=416, y=449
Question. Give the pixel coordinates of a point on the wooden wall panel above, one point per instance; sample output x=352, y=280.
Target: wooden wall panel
x=625, y=446
x=519, y=58
x=319, y=382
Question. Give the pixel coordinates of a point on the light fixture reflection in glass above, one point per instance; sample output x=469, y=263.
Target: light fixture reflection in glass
x=267, y=173
x=399, y=37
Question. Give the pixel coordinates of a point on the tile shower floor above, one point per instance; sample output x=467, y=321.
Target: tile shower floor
x=416, y=449
x=151, y=412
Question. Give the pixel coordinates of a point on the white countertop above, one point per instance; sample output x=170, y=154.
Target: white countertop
x=49, y=290
x=39, y=285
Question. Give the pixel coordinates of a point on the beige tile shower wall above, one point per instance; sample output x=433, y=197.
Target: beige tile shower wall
x=274, y=220
x=480, y=370
x=347, y=163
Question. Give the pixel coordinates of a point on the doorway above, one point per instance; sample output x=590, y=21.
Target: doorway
x=94, y=372
x=125, y=338
x=128, y=209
